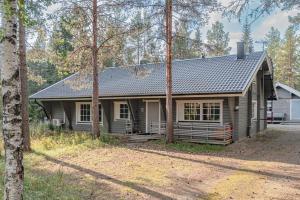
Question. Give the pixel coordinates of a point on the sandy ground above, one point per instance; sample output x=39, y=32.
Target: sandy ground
x=265, y=167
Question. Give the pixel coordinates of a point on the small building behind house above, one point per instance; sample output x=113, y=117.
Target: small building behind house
x=286, y=108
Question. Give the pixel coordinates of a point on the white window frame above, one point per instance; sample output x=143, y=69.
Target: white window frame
x=180, y=110
x=253, y=118
x=117, y=114
x=78, y=121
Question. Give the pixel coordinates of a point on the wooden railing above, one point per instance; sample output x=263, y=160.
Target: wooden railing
x=210, y=133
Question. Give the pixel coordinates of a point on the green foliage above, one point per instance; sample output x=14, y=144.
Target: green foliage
x=191, y=147
x=62, y=37
x=185, y=46
x=218, y=40
x=246, y=38
x=285, y=54
x=273, y=40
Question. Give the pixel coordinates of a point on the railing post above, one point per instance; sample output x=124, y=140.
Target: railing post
x=159, y=127
x=224, y=131
x=207, y=129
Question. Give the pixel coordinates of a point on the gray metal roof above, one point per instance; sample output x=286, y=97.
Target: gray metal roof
x=216, y=75
x=288, y=88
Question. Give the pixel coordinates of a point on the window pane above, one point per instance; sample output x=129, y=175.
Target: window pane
x=85, y=113
x=124, y=111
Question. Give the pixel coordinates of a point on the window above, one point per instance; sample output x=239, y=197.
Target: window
x=84, y=112
x=121, y=110
x=211, y=111
x=254, y=110
x=192, y=111
x=124, y=111
x=197, y=110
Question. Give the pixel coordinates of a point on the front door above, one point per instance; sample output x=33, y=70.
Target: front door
x=152, y=116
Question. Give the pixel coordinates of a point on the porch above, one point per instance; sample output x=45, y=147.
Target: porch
x=207, y=133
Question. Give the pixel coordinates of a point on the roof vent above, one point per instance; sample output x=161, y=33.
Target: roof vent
x=240, y=50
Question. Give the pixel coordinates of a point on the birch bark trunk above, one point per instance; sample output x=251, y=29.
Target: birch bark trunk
x=23, y=77
x=169, y=110
x=12, y=121
x=95, y=96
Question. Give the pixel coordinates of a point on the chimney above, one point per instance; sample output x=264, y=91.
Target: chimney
x=240, y=50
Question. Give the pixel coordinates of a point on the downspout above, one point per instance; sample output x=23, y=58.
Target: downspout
x=249, y=114
x=44, y=109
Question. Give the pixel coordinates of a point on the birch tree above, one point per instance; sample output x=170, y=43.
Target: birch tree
x=12, y=121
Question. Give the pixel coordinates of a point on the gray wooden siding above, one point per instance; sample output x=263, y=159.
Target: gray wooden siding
x=283, y=94
x=243, y=117
x=282, y=106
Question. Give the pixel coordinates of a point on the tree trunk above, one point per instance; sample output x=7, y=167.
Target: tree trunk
x=23, y=77
x=12, y=121
x=95, y=98
x=170, y=137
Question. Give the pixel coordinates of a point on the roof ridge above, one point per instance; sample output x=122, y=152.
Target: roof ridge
x=288, y=88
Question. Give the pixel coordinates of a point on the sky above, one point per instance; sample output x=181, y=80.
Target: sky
x=277, y=19
x=261, y=26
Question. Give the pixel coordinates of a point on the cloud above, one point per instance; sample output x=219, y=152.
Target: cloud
x=278, y=20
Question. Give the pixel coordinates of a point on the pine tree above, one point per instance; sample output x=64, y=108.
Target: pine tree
x=273, y=43
x=287, y=67
x=218, y=40
x=181, y=47
x=169, y=101
x=246, y=38
x=23, y=75
x=197, y=44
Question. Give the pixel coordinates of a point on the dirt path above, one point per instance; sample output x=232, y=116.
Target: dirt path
x=266, y=167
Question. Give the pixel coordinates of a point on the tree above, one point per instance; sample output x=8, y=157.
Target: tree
x=287, y=67
x=91, y=44
x=258, y=9
x=246, y=38
x=12, y=120
x=273, y=43
x=169, y=103
x=95, y=96
x=197, y=44
x=162, y=12
x=218, y=40
x=23, y=76
x=182, y=44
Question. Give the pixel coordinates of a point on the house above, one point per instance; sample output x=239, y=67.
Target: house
x=210, y=95
x=287, y=105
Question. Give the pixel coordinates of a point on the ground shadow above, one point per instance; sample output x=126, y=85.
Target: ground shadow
x=215, y=164
x=272, y=146
x=99, y=175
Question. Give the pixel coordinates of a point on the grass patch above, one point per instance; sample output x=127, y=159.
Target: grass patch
x=191, y=147
x=45, y=185
x=41, y=183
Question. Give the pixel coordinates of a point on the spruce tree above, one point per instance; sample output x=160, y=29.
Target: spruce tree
x=246, y=38
x=218, y=40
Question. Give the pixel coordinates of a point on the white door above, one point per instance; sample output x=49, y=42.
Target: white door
x=152, y=116
x=295, y=109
